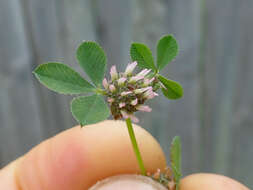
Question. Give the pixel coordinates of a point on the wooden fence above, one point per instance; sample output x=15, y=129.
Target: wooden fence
x=215, y=67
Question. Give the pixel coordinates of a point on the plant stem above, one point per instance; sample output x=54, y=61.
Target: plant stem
x=135, y=146
x=100, y=91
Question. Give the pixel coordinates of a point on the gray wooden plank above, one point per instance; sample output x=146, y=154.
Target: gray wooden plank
x=184, y=22
x=181, y=18
x=205, y=128
x=242, y=123
x=20, y=127
x=75, y=21
x=225, y=39
x=113, y=25
x=221, y=67
x=56, y=37
x=149, y=23
x=44, y=34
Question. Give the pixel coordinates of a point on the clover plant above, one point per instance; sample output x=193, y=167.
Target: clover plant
x=121, y=95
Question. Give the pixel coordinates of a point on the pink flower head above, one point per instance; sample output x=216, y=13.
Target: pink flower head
x=134, y=102
x=125, y=93
x=110, y=100
x=144, y=108
x=134, y=79
x=134, y=118
x=105, y=83
x=113, y=73
x=124, y=114
x=149, y=94
x=141, y=90
x=148, y=81
x=122, y=104
x=130, y=68
x=152, y=79
x=112, y=88
x=144, y=72
x=121, y=81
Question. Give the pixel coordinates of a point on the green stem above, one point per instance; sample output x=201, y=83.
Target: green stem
x=100, y=91
x=135, y=146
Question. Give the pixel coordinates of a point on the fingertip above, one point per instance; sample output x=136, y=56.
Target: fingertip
x=209, y=181
x=56, y=163
x=8, y=176
x=78, y=157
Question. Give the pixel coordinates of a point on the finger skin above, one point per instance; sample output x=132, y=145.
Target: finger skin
x=205, y=181
x=8, y=178
x=79, y=157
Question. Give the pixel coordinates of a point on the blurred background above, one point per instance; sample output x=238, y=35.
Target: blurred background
x=215, y=67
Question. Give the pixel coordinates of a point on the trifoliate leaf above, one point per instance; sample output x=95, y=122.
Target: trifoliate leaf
x=93, y=60
x=167, y=50
x=143, y=55
x=89, y=109
x=61, y=78
x=172, y=90
x=175, y=158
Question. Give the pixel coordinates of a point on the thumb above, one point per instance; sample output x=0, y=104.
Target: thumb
x=208, y=181
x=78, y=157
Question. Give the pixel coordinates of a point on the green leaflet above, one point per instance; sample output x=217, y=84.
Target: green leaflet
x=61, y=78
x=175, y=157
x=89, y=109
x=93, y=60
x=167, y=50
x=172, y=90
x=143, y=55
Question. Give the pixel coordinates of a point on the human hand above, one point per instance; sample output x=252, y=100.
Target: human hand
x=79, y=157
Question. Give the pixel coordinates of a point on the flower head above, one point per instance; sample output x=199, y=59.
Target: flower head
x=134, y=118
x=112, y=88
x=143, y=108
x=130, y=68
x=122, y=104
x=134, y=102
x=149, y=94
x=148, y=82
x=105, y=83
x=141, y=90
x=134, y=79
x=113, y=73
x=121, y=81
x=110, y=100
x=127, y=92
x=125, y=115
x=131, y=116
x=144, y=72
